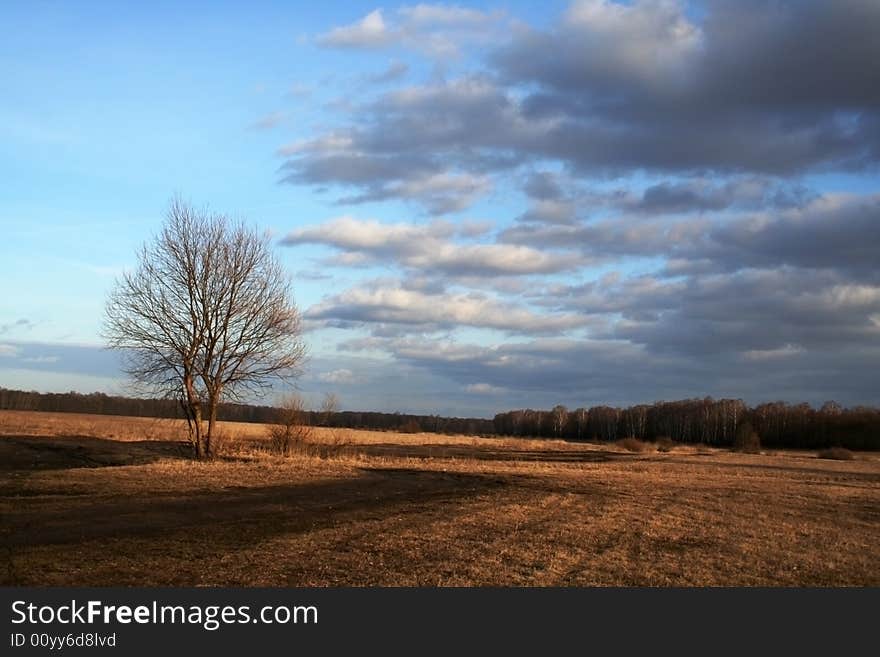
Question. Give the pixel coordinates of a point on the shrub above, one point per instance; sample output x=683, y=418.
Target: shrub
x=284, y=439
x=836, y=453
x=665, y=444
x=747, y=440
x=411, y=426
x=633, y=445
x=292, y=429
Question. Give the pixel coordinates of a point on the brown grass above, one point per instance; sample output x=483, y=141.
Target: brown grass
x=78, y=507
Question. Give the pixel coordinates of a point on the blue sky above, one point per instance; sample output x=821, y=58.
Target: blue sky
x=483, y=206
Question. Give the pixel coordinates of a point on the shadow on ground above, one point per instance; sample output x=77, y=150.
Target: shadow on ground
x=480, y=453
x=227, y=519
x=29, y=453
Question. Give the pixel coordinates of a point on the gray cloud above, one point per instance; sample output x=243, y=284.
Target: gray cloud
x=543, y=186
x=750, y=311
x=550, y=211
x=702, y=195
x=541, y=373
x=838, y=231
x=760, y=88
x=67, y=359
x=559, y=199
x=440, y=193
x=835, y=231
x=675, y=144
x=413, y=143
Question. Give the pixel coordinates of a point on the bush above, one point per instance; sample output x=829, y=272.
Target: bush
x=633, y=445
x=292, y=429
x=665, y=444
x=747, y=440
x=284, y=439
x=836, y=453
x=411, y=426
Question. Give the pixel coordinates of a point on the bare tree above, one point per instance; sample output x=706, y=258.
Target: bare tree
x=329, y=407
x=206, y=317
x=559, y=418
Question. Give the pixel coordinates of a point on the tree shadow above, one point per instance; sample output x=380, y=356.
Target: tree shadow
x=31, y=453
x=480, y=453
x=234, y=514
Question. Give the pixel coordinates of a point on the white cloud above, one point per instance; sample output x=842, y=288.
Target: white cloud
x=369, y=32
x=429, y=247
x=343, y=376
x=640, y=40
x=426, y=14
x=483, y=389
x=436, y=30
x=773, y=354
x=40, y=360
x=384, y=302
x=329, y=143
x=9, y=351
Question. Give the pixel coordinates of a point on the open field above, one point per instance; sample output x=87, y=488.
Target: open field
x=103, y=500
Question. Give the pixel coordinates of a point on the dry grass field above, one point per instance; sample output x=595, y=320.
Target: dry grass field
x=101, y=500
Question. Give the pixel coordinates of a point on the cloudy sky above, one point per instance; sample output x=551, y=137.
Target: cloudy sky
x=483, y=207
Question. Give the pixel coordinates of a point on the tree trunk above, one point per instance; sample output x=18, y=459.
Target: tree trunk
x=213, y=402
x=212, y=423
x=194, y=418
x=197, y=426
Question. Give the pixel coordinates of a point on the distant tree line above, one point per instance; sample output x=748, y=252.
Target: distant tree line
x=407, y=423
x=708, y=421
x=102, y=404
